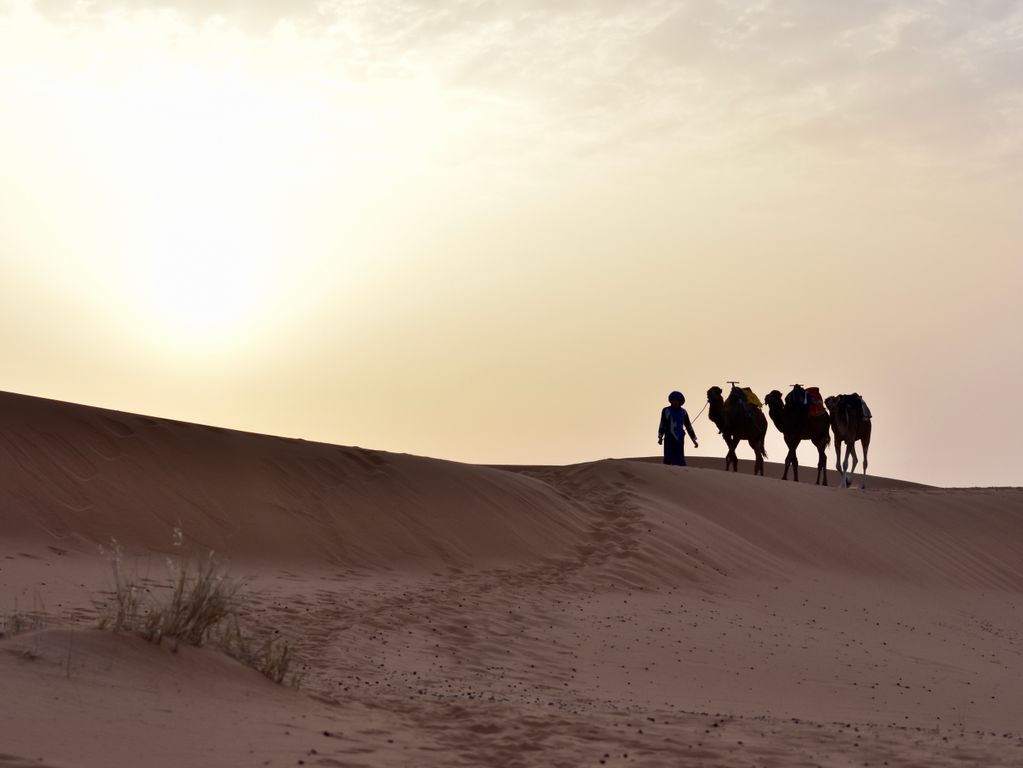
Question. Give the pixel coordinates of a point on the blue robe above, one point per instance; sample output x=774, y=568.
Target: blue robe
x=672, y=429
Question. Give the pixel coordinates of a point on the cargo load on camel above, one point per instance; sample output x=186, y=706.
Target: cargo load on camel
x=815, y=401
x=750, y=397
x=855, y=400
x=807, y=400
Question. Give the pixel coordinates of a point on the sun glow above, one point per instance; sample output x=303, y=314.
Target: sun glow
x=194, y=178
x=203, y=174
x=207, y=172
x=199, y=289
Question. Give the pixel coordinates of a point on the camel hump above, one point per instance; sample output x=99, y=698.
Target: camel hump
x=805, y=401
x=796, y=398
x=856, y=401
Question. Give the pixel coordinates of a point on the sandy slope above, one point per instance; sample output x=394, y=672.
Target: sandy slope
x=808, y=474
x=446, y=614
x=80, y=476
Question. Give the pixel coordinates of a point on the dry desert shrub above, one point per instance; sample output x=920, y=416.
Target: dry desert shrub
x=16, y=622
x=200, y=604
x=125, y=609
x=199, y=600
x=276, y=661
x=272, y=657
x=19, y=621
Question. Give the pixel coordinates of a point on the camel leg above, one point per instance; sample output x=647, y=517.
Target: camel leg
x=843, y=463
x=735, y=457
x=758, y=463
x=822, y=464
x=730, y=456
x=866, y=444
x=795, y=462
x=790, y=459
x=855, y=463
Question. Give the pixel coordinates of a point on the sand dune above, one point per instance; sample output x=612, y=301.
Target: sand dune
x=81, y=476
x=617, y=612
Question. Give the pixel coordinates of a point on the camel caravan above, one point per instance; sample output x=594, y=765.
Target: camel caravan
x=803, y=414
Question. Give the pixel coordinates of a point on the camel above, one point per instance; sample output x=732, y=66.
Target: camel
x=738, y=422
x=794, y=421
x=850, y=421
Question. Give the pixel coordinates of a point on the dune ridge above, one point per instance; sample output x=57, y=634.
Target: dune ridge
x=81, y=475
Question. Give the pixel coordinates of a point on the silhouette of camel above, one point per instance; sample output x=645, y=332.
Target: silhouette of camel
x=794, y=421
x=850, y=421
x=736, y=421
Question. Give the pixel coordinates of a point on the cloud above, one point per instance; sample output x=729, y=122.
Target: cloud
x=945, y=78
x=927, y=78
x=253, y=15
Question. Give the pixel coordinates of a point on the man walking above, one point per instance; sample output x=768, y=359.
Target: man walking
x=671, y=432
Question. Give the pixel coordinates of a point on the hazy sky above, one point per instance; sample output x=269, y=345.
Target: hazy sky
x=502, y=232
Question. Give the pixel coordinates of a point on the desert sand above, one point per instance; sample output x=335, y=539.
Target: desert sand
x=617, y=612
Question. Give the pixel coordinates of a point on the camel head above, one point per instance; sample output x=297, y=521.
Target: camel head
x=773, y=398
x=838, y=411
x=714, y=395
